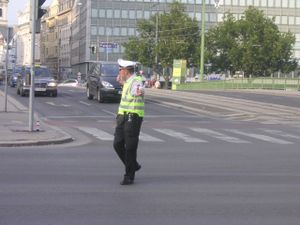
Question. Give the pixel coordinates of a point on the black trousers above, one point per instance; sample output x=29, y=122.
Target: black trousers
x=126, y=141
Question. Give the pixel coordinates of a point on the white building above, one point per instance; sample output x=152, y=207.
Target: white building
x=23, y=45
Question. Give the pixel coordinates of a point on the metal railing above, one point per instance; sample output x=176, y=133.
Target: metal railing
x=244, y=83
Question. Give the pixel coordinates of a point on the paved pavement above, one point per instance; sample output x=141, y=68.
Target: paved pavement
x=14, y=127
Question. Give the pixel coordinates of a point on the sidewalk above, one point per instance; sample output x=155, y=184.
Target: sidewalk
x=14, y=127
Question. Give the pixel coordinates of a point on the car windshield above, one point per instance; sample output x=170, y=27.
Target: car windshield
x=40, y=72
x=18, y=70
x=110, y=70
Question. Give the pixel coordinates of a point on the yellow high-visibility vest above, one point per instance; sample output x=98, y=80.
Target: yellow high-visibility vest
x=130, y=103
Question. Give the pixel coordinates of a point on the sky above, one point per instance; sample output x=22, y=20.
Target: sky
x=18, y=5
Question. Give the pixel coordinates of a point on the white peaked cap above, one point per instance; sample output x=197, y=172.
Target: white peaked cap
x=126, y=63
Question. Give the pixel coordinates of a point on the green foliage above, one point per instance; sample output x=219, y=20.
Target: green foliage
x=178, y=38
x=252, y=44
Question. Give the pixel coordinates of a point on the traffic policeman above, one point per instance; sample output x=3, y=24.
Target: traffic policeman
x=129, y=119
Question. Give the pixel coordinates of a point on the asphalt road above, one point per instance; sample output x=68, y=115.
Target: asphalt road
x=200, y=165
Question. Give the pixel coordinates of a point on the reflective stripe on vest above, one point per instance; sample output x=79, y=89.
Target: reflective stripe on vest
x=129, y=103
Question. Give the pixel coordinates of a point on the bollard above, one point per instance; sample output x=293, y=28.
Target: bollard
x=37, y=126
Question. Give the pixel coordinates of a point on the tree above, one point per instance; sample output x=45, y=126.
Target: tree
x=178, y=38
x=252, y=44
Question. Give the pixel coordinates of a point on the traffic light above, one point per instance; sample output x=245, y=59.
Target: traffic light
x=93, y=49
x=39, y=14
x=40, y=11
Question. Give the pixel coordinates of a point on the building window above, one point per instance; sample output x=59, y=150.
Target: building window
x=124, y=14
x=277, y=3
x=285, y=3
x=117, y=13
x=109, y=13
x=116, y=31
x=263, y=3
x=242, y=2
x=101, y=30
x=249, y=2
x=284, y=20
x=139, y=14
x=102, y=13
x=271, y=3
x=131, y=14
x=94, y=30
x=94, y=12
x=291, y=20
x=292, y=3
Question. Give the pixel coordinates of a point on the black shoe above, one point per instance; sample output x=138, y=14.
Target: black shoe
x=138, y=167
x=126, y=181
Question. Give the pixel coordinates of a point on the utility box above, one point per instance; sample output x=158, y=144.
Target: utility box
x=179, y=71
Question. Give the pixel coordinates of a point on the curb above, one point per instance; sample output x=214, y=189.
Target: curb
x=37, y=143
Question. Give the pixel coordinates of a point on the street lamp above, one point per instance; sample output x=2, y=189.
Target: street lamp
x=217, y=2
x=156, y=31
x=202, y=40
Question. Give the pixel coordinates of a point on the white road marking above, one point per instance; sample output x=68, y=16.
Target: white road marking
x=84, y=103
x=281, y=133
x=260, y=137
x=219, y=135
x=100, y=134
x=53, y=104
x=109, y=112
x=179, y=135
x=147, y=137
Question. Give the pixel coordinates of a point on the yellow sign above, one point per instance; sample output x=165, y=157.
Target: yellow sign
x=179, y=71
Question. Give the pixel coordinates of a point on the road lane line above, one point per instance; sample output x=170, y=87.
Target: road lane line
x=84, y=103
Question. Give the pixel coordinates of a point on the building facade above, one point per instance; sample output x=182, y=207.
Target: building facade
x=93, y=30
x=23, y=38
x=3, y=29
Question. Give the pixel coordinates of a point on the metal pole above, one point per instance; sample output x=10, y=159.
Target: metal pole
x=32, y=72
x=6, y=74
x=106, y=45
x=202, y=41
x=156, y=38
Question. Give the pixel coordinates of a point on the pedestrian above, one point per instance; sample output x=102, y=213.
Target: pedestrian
x=129, y=119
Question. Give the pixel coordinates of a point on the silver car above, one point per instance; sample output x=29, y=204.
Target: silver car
x=44, y=82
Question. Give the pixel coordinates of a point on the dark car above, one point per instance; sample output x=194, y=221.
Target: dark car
x=16, y=71
x=101, y=81
x=44, y=82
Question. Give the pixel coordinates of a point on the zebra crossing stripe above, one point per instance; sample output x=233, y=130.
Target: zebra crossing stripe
x=100, y=134
x=219, y=135
x=260, y=137
x=147, y=137
x=282, y=134
x=180, y=135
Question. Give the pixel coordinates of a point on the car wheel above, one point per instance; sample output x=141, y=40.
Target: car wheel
x=53, y=94
x=99, y=97
x=22, y=93
x=88, y=94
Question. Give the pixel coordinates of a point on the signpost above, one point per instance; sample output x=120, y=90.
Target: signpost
x=108, y=46
x=179, y=71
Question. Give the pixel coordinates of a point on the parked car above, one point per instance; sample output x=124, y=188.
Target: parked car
x=44, y=82
x=101, y=81
x=69, y=83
